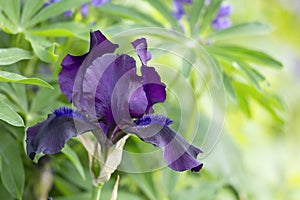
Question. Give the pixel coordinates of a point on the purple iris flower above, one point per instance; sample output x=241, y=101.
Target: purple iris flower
x=222, y=21
x=111, y=97
x=178, y=9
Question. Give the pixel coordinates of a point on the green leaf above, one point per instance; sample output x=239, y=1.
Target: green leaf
x=4, y=194
x=251, y=74
x=17, y=78
x=8, y=115
x=165, y=12
x=53, y=10
x=209, y=14
x=228, y=86
x=72, y=156
x=187, y=62
x=11, y=98
x=41, y=100
x=43, y=48
x=242, y=53
x=146, y=184
x=63, y=29
x=7, y=25
x=20, y=90
x=12, y=55
x=195, y=14
x=30, y=9
x=12, y=10
x=270, y=103
x=12, y=170
x=245, y=29
x=129, y=13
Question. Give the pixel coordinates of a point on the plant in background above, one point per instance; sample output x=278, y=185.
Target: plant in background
x=34, y=37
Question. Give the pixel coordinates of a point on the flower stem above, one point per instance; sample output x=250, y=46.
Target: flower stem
x=96, y=192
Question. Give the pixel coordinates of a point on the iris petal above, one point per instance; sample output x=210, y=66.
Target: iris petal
x=141, y=48
x=50, y=135
x=153, y=87
x=177, y=152
x=111, y=80
x=73, y=67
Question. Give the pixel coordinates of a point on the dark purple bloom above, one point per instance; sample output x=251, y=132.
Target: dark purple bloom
x=178, y=9
x=106, y=88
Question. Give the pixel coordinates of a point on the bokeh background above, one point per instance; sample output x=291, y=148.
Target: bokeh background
x=251, y=156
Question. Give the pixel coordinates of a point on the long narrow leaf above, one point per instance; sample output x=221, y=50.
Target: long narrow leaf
x=30, y=9
x=129, y=13
x=7, y=25
x=12, y=55
x=245, y=29
x=165, y=12
x=8, y=115
x=72, y=156
x=236, y=52
x=54, y=10
x=17, y=78
x=209, y=14
x=63, y=29
x=12, y=170
x=11, y=9
x=195, y=14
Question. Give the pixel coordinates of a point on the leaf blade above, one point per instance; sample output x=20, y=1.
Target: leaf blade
x=12, y=55
x=8, y=115
x=13, y=178
x=17, y=78
x=54, y=10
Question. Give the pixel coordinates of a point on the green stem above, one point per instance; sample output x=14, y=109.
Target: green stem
x=96, y=192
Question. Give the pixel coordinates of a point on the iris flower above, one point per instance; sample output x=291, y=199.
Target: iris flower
x=112, y=99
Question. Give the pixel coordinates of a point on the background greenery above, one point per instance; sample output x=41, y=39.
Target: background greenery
x=257, y=155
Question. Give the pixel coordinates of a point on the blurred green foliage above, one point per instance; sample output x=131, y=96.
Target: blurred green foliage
x=255, y=157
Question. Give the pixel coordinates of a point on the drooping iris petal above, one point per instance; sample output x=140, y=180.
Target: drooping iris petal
x=72, y=72
x=50, y=135
x=155, y=89
x=112, y=75
x=177, y=152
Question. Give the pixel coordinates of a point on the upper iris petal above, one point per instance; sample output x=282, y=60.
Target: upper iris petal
x=109, y=81
x=73, y=67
